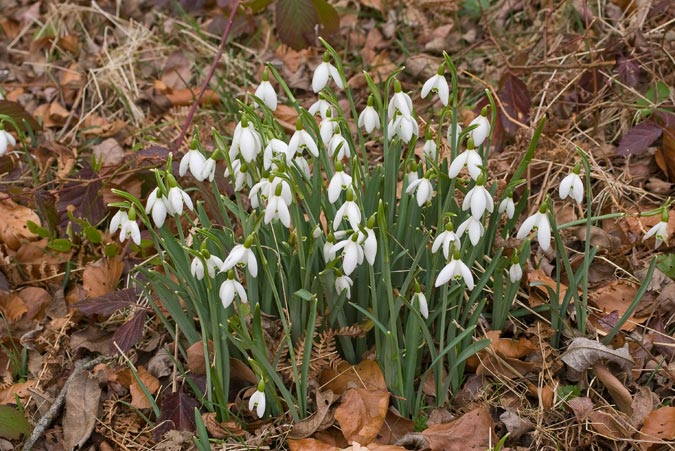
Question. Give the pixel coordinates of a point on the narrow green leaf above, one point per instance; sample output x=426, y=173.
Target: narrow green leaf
x=60, y=244
x=13, y=424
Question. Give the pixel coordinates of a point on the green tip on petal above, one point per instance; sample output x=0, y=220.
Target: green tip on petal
x=249, y=241
x=278, y=189
x=577, y=168
x=338, y=166
x=455, y=253
x=171, y=180
x=448, y=226
x=132, y=214
x=469, y=144
x=515, y=258
x=244, y=121
x=350, y=195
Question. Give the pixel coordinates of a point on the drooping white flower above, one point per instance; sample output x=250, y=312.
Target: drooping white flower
x=175, y=200
x=438, y=84
x=369, y=119
x=339, y=181
x=197, y=266
x=351, y=211
x=507, y=205
x=344, y=283
x=352, y=253
x=572, y=186
x=480, y=133
x=258, y=403
x=327, y=129
x=246, y=141
x=424, y=188
x=328, y=253
x=302, y=140
x=195, y=162
x=469, y=159
x=324, y=108
x=231, y=288
x=302, y=166
x=323, y=72
x=429, y=149
x=240, y=174
x=266, y=92
x=457, y=270
x=478, y=199
x=515, y=272
x=209, y=170
x=659, y=231
x=6, y=139
x=444, y=240
x=277, y=208
x=400, y=102
x=242, y=253
x=128, y=227
x=370, y=246
x=157, y=205
x=404, y=127
x=539, y=222
x=338, y=145
x=274, y=148
x=474, y=227
x=421, y=300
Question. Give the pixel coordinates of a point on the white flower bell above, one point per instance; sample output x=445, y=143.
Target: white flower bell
x=339, y=181
x=400, y=103
x=266, y=92
x=246, y=141
x=230, y=289
x=469, y=159
x=258, y=401
x=539, y=222
x=660, y=230
x=572, y=186
x=507, y=206
x=437, y=84
x=343, y=283
x=474, y=227
x=6, y=140
x=323, y=72
x=369, y=119
x=352, y=253
x=482, y=131
x=350, y=210
x=478, y=199
x=302, y=140
x=242, y=253
x=424, y=188
x=445, y=240
x=457, y=270
x=127, y=225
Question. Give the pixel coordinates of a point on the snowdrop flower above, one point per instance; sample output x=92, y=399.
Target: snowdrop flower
x=242, y=253
x=156, y=205
x=328, y=253
x=338, y=144
x=425, y=190
x=515, y=270
x=404, y=127
x=323, y=72
x=507, y=206
x=209, y=169
x=258, y=400
x=350, y=210
x=339, y=181
x=539, y=222
x=444, y=240
x=369, y=119
x=412, y=174
x=343, y=283
x=370, y=242
x=327, y=129
x=6, y=139
x=475, y=228
x=400, y=102
x=456, y=269
x=240, y=175
x=212, y=262
x=453, y=140
x=438, y=84
x=480, y=133
x=266, y=92
x=246, y=141
x=429, y=149
x=659, y=231
x=302, y=140
x=469, y=159
x=302, y=166
x=195, y=162
x=275, y=147
x=323, y=107
x=352, y=253
x=572, y=186
x=231, y=288
x=478, y=199
x=421, y=299
x=127, y=225
x=277, y=208
x=176, y=198
x=260, y=191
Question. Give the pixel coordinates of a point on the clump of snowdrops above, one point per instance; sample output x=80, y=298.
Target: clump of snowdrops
x=322, y=237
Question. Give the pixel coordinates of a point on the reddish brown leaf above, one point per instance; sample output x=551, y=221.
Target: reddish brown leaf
x=362, y=413
x=639, y=138
x=108, y=303
x=659, y=425
x=82, y=198
x=515, y=98
x=130, y=332
x=22, y=117
x=472, y=431
x=176, y=412
x=299, y=20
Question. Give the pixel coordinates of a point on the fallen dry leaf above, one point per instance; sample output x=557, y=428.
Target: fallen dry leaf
x=615, y=297
x=366, y=374
x=582, y=353
x=13, y=228
x=222, y=429
x=81, y=410
x=395, y=427
x=361, y=414
x=101, y=277
x=472, y=431
x=22, y=390
x=515, y=424
x=138, y=398
x=659, y=426
x=52, y=114
x=581, y=406
x=308, y=426
x=109, y=153
x=611, y=424
x=310, y=444
x=615, y=387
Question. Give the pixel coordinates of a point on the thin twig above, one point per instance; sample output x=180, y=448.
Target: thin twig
x=55, y=408
x=209, y=76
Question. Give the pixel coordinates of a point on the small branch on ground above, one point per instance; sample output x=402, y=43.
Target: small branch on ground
x=55, y=408
x=209, y=76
